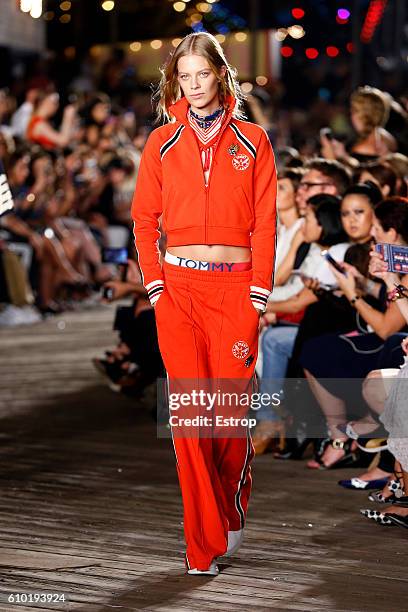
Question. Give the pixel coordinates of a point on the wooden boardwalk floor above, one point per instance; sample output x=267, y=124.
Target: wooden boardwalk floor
x=90, y=505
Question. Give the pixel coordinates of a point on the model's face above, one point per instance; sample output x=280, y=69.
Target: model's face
x=312, y=183
x=197, y=81
x=311, y=228
x=285, y=195
x=357, y=217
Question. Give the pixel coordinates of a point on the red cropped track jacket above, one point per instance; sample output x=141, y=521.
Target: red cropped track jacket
x=237, y=207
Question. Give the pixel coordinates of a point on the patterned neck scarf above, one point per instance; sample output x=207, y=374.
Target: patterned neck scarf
x=207, y=136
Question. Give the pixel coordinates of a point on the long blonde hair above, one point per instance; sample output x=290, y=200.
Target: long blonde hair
x=206, y=45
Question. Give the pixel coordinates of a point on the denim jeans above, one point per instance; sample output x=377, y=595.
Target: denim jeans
x=277, y=346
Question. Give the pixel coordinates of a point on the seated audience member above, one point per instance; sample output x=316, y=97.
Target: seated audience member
x=370, y=109
x=27, y=222
x=40, y=130
x=136, y=362
x=380, y=174
x=354, y=355
x=322, y=229
x=399, y=164
x=320, y=176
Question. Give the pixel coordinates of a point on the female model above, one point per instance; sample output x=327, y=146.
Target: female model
x=212, y=178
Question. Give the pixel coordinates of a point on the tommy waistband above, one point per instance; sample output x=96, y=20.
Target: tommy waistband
x=207, y=266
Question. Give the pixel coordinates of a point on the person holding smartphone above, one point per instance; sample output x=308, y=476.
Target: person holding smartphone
x=211, y=176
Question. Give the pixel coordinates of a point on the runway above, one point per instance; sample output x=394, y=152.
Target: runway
x=90, y=505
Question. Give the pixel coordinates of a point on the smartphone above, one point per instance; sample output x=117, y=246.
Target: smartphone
x=118, y=257
x=333, y=262
x=395, y=256
x=115, y=256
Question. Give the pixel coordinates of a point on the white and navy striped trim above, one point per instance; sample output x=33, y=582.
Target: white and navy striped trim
x=250, y=147
x=6, y=199
x=154, y=290
x=242, y=480
x=171, y=141
x=259, y=297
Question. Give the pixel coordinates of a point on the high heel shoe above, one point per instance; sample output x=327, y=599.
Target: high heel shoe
x=372, y=442
x=349, y=458
x=377, y=517
x=395, y=486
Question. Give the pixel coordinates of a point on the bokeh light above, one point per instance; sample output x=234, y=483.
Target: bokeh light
x=332, y=51
x=286, y=51
x=298, y=13
x=311, y=53
x=343, y=13
x=108, y=5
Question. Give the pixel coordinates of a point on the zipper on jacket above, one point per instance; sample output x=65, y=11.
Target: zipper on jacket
x=207, y=186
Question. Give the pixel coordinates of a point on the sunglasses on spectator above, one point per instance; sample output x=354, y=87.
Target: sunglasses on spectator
x=306, y=185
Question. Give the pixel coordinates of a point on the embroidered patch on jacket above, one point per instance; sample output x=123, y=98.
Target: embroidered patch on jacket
x=240, y=349
x=240, y=162
x=233, y=149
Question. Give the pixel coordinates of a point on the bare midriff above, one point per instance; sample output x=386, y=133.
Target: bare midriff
x=212, y=252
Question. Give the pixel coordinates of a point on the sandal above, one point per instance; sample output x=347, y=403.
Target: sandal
x=377, y=517
x=395, y=486
x=350, y=457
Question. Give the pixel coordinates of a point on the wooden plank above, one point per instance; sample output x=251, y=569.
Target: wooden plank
x=90, y=504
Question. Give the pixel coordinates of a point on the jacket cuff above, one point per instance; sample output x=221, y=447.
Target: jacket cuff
x=259, y=297
x=154, y=290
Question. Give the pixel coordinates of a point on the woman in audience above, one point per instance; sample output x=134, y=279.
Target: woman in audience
x=26, y=223
x=329, y=312
x=369, y=108
x=382, y=175
x=40, y=130
x=353, y=356
x=322, y=229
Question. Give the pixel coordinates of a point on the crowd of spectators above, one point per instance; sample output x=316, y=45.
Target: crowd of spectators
x=72, y=182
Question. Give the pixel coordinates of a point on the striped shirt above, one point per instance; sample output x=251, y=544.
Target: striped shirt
x=207, y=139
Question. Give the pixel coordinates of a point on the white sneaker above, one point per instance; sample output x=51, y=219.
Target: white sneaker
x=234, y=542
x=211, y=571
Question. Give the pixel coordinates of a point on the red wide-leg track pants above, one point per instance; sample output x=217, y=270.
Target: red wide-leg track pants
x=208, y=329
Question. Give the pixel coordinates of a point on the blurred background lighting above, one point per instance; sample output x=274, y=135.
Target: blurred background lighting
x=281, y=34
x=332, y=51
x=220, y=38
x=108, y=5
x=240, y=36
x=176, y=41
x=261, y=80
x=65, y=18
x=65, y=6
x=298, y=13
x=343, y=13
x=25, y=6
x=296, y=31
x=286, y=51
x=156, y=44
x=311, y=53
x=179, y=6
x=246, y=87
x=135, y=46
x=36, y=9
